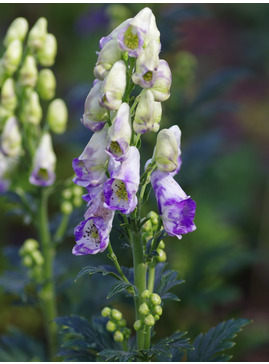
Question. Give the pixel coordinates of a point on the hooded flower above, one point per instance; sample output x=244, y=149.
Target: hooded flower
x=120, y=132
x=108, y=55
x=162, y=82
x=43, y=173
x=177, y=210
x=11, y=138
x=95, y=116
x=90, y=165
x=121, y=188
x=113, y=35
x=114, y=87
x=148, y=114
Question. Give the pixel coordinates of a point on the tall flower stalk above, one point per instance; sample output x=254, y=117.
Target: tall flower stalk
x=123, y=104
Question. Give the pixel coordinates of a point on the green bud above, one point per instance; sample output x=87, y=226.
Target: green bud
x=126, y=333
x=28, y=72
x=67, y=193
x=154, y=218
x=158, y=310
x=138, y=325
x=12, y=57
x=57, y=116
x=8, y=95
x=161, y=244
x=77, y=201
x=47, y=53
x=144, y=309
x=29, y=246
x=38, y=257
x=66, y=207
x=149, y=320
x=31, y=109
x=37, y=34
x=46, y=84
x=147, y=226
x=116, y=314
x=27, y=261
x=118, y=336
x=111, y=326
x=106, y=311
x=156, y=317
x=77, y=191
x=162, y=255
x=17, y=30
x=122, y=323
x=155, y=299
x=145, y=294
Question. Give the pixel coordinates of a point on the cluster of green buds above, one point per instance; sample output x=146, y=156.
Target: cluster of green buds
x=23, y=85
x=149, y=229
x=151, y=309
x=116, y=324
x=71, y=196
x=32, y=259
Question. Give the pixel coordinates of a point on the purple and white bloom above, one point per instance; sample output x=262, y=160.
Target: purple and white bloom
x=96, y=207
x=90, y=166
x=147, y=64
x=162, y=82
x=148, y=113
x=8, y=95
x=108, y=55
x=113, y=35
x=177, y=210
x=95, y=116
x=167, y=151
x=43, y=173
x=114, y=87
x=121, y=188
x=11, y=138
x=120, y=132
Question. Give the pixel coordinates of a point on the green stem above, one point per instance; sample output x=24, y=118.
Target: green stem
x=151, y=278
x=61, y=228
x=140, y=269
x=47, y=294
x=113, y=257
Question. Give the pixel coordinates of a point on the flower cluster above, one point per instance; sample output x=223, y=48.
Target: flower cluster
x=22, y=86
x=109, y=166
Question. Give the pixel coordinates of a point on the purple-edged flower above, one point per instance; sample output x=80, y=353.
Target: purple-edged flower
x=121, y=188
x=177, y=210
x=131, y=40
x=43, y=173
x=120, y=133
x=90, y=166
x=162, y=82
x=114, y=87
x=95, y=116
x=108, y=55
x=148, y=114
x=113, y=35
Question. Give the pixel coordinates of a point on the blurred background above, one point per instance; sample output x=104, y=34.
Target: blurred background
x=219, y=57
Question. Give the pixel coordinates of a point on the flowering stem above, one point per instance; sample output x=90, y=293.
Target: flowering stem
x=140, y=269
x=113, y=257
x=47, y=294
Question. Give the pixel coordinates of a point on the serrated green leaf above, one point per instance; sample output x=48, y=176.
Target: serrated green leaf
x=117, y=355
x=208, y=346
x=119, y=287
x=101, y=269
x=165, y=281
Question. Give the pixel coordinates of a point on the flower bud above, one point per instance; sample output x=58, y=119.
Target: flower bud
x=145, y=294
x=46, y=84
x=147, y=227
x=11, y=138
x=77, y=191
x=149, y=320
x=118, y=336
x=116, y=314
x=144, y=309
x=37, y=34
x=31, y=109
x=162, y=82
x=77, y=201
x=155, y=299
x=166, y=152
x=67, y=193
x=148, y=114
x=114, y=87
x=37, y=257
x=57, y=116
x=126, y=333
x=158, y=310
x=106, y=311
x=17, y=30
x=162, y=255
x=27, y=261
x=161, y=244
x=111, y=326
x=138, y=325
x=154, y=218
x=122, y=322
x=47, y=53
x=8, y=95
x=156, y=317
x=108, y=55
x=12, y=57
x=28, y=72
x=66, y=207
x=30, y=245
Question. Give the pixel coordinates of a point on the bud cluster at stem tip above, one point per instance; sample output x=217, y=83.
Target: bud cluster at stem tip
x=151, y=309
x=116, y=324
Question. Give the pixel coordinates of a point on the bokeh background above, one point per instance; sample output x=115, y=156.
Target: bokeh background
x=219, y=57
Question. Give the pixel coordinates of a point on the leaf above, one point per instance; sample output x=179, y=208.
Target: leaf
x=208, y=346
x=117, y=355
x=101, y=269
x=119, y=287
x=165, y=281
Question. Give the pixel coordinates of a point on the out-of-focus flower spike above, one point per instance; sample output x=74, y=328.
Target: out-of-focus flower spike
x=43, y=172
x=57, y=116
x=12, y=57
x=31, y=110
x=17, y=30
x=28, y=72
x=47, y=53
x=11, y=138
x=8, y=95
x=162, y=82
x=37, y=34
x=46, y=84
x=7, y=167
x=108, y=55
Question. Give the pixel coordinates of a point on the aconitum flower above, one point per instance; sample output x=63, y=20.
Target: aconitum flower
x=177, y=210
x=162, y=82
x=43, y=173
x=11, y=138
x=108, y=55
x=90, y=166
x=120, y=132
x=17, y=30
x=95, y=116
x=114, y=87
x=121, y=188
x=148, y=114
